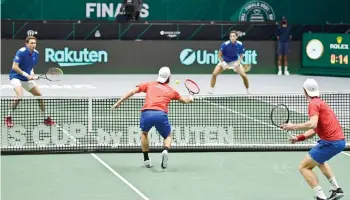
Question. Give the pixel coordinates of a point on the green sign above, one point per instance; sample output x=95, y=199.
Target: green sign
x=238, y=10
x=326, y=53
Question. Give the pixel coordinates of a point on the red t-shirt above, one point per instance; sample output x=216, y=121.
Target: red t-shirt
x=328, y=126
x=158, y=96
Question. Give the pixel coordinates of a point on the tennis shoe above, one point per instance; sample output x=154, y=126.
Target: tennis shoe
x=279, y=73
x=147, y=163
x=49, y=122
x=8, y=122
x=286, y=73
x=164, y=162
x=336, y=194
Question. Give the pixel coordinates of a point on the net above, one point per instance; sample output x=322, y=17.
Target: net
x=214, y=123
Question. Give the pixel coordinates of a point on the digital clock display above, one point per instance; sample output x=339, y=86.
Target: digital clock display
x=339, y=59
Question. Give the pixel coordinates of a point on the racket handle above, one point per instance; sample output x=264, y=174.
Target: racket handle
x=191, y=97
x=290, y=135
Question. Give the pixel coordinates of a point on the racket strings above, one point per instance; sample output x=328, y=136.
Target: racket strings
x=192, y=86
x=54, y=73
x=280, y=116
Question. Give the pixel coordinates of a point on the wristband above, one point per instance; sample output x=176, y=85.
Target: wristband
x=301, y=137
x=224, y=63
x=25, y=74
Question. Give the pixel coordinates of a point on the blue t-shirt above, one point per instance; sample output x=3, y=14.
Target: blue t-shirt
x=231, y=51
x=26, y=61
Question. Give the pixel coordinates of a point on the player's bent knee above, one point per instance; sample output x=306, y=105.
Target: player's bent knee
x=217, y=70
x=35, y=91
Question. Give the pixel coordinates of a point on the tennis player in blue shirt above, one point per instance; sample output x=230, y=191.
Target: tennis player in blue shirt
x=22, y=76
x=230, y=55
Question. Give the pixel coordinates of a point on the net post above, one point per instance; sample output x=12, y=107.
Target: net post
x=90, y=116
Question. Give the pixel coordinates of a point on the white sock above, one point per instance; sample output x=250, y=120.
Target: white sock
x=211, y=89
x=279, y=68
x=319, y=192
x=285, y=68
x=333, y=183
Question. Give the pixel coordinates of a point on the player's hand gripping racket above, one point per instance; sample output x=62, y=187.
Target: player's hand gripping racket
x=53, y=74
x=280, y=115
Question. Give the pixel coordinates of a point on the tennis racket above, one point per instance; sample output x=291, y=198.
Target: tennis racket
x=192, y=87
x=53, y=74
x=280, y=115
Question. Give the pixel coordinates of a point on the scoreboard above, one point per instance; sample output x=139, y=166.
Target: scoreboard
x=321, y=50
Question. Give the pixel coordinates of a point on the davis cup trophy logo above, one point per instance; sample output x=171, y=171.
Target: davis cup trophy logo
x=256, y=11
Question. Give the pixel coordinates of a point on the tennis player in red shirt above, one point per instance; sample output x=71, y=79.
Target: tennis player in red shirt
x=155, y=111
x=325, y=124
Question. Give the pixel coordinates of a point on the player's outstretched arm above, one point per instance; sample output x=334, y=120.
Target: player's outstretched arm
x=311, y=124
x=185, y=100
x=305, y=136
x=125, y=97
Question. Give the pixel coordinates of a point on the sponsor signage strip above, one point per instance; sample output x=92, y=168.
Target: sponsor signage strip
x=144, y=57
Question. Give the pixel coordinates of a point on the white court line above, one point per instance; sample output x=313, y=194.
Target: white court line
x=246, y=116
x=109, y=168
x=261, y=122
x=119, y=176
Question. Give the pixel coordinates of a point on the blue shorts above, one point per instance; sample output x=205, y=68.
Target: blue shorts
x=325, y=150
x=283, y=48
x=157, y=118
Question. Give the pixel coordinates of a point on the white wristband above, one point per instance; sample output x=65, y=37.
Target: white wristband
x=224, y=63
x=25, y=74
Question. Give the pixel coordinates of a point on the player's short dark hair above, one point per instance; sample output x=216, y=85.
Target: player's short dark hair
x=30, y=38
x=235, y=32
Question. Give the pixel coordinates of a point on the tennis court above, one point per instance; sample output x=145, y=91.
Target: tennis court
x=261, y=163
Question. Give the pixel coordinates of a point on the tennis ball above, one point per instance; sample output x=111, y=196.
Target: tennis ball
x=177, y=81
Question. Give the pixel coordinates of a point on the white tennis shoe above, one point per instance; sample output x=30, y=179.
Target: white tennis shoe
x=147, y=163
x=164, y=162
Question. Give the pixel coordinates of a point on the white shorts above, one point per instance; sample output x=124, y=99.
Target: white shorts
x=231, y=65
x=27, y=85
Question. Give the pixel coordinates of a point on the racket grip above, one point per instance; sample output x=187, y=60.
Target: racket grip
x=290, y=135
x=191, y=97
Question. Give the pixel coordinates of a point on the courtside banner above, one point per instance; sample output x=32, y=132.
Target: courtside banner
x=144, y=57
